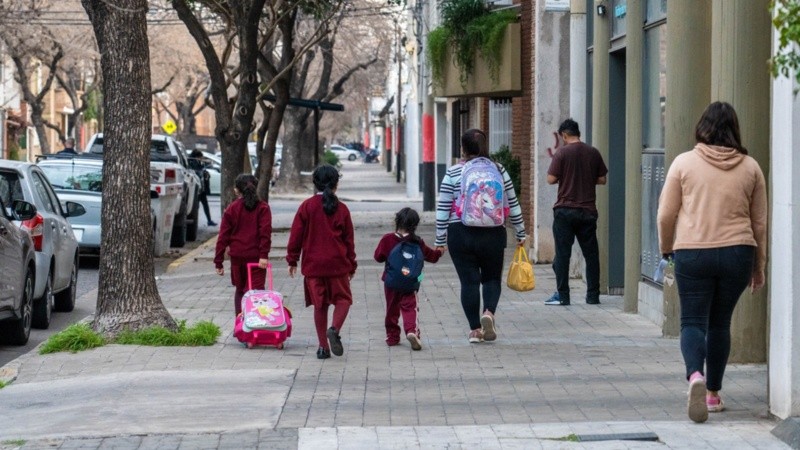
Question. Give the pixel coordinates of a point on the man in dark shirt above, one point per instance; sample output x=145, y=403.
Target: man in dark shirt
x=69, y=147
x=577, y=168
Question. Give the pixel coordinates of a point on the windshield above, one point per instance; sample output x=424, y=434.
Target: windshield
x=159, y=150
x=74, y=177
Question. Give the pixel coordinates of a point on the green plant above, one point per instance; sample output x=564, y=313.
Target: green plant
x=786, y=20
x=330, y=158
x=4, y=384
x=80, y=336
x=74, y=338
x=201, y=333
x=512, y=165
x=14, y=442
x=467, y=28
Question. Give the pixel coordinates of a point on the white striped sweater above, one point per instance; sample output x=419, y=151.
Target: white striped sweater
x=449, y=190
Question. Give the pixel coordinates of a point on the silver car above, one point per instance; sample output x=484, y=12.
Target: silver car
x=53, y=238
x=17, y=273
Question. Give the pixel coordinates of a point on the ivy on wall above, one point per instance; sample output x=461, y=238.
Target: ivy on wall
x=468, y=28
x=786, y=20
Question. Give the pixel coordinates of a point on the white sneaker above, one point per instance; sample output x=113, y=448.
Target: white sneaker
x=487, y=322
x=414, y=340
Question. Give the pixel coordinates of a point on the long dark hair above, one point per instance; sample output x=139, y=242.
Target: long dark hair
x=474, y=144
x=326, y=178
x=719, y=125
x=407, y=219
x=246, y=185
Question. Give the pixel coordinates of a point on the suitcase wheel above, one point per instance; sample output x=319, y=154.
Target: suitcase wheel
x=280, y=346
x=250, y=345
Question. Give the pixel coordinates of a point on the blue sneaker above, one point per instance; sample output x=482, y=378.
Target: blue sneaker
x=555, y=299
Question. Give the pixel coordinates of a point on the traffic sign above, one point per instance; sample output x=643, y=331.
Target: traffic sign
x=169, y=126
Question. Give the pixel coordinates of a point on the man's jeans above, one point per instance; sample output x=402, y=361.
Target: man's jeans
x=568, y=224
x=710, y=282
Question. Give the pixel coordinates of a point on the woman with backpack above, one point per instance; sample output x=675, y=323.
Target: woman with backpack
x=475, y=198
x=404, y=254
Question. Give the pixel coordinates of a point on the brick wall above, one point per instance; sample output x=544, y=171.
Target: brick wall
x=522, y=111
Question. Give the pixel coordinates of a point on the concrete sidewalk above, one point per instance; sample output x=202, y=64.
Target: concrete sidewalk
x=554, y=372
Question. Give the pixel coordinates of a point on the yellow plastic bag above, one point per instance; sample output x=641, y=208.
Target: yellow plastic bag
x=520, y=274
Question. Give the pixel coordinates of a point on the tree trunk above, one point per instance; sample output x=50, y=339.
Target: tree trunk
x=233, y=120
x=127, y=297
x=38, y=124
x=290, y=180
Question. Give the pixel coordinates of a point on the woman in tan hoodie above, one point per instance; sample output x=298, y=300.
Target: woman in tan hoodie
x=712, y=215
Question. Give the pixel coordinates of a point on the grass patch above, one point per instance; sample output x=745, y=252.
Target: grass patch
x=568, y=438
x=79, y=337
x=74, y=338
x=201, y=333
x=4, y=384
x=14, y=442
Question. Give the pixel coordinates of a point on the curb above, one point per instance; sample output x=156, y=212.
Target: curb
x=192, y=254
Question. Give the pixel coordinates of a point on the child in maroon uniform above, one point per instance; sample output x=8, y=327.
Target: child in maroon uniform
x=245, y=229
x=322, y=231
x=405, y=221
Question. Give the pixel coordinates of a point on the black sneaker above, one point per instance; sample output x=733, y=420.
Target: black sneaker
x=592, y=300
x=323, y=353
x=335, y=341
x=555, y=299
x=211, y=223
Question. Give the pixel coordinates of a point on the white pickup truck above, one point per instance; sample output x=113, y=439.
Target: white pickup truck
x=165, y=151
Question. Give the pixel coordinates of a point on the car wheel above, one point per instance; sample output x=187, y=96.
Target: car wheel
x=178, y=238
x=18, y=331
x=352, y=157
x=191, y=227
x=43, y=307
x=65, y=300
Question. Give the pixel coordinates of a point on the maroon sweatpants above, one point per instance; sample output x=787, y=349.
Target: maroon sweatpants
x=398, y=303
x=323, y=292
x=239, y=280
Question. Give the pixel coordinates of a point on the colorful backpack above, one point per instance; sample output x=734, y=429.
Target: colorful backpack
x=404, y=267
x=482, y=201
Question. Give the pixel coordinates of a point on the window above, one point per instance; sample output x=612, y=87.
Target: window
x=655, y=86
x=41, y=192
x=619, y=14
x=499, y=124
x=656, y=10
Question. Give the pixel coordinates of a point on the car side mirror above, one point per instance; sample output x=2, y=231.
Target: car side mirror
x=74, y=209
x=23, y=210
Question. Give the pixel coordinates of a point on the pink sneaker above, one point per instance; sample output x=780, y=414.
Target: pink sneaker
x=475, y=336
x=697, y=408
x=714, y=403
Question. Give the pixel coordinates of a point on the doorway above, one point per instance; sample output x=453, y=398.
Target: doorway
x=616, y=174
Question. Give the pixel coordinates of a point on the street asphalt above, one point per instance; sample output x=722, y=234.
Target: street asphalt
x=574, y=377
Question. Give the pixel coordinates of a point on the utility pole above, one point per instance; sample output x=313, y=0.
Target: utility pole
x=397, y=129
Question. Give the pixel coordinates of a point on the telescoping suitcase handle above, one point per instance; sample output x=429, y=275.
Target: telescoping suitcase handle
x=250, y=267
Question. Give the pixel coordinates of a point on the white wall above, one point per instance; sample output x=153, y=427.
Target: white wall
x=784, y=251
x=551, y=106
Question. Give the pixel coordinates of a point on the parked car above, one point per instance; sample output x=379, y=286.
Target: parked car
x=54, y=241
x=343, y=152
x=17, y=273
x=165, y=149
x=80, y=180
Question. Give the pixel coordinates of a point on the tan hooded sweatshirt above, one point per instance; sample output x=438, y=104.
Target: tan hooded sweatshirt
x=714, y=197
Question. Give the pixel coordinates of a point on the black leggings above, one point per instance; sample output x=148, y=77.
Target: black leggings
x=478, y=255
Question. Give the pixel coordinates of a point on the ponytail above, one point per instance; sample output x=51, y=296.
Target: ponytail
x=326, y=179
x=246, y=185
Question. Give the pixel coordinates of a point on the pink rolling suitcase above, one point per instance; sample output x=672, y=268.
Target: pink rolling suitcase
x=264, y=320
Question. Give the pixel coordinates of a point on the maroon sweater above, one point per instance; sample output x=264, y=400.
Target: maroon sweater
x=247, y=233
x=390, y=240
x=326, y=242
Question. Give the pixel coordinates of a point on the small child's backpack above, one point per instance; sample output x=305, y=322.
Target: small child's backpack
x=404, y=267
x=482, y=201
